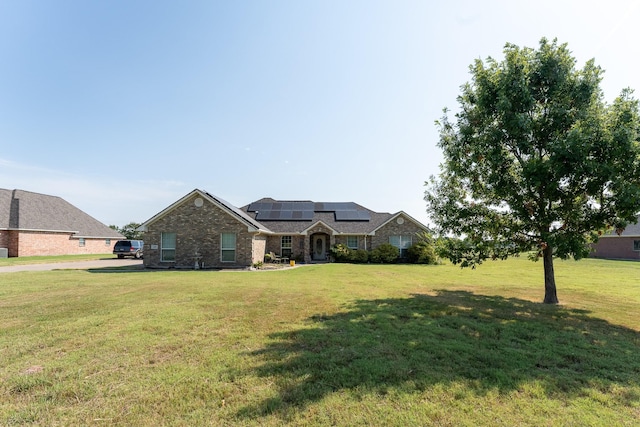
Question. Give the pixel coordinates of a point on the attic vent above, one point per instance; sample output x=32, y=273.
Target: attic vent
x=198, y=202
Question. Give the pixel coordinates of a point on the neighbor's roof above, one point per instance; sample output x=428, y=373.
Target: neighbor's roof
x=24, y=210
x=631, y=230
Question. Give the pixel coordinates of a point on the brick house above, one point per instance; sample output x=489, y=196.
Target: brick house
x=34, y=224
x=625, y=245
x=202, y=230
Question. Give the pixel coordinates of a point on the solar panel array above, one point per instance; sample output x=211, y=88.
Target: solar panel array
x=303, y=211
x=352, y=215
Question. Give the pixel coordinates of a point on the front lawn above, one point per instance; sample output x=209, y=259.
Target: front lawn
x=52, y=259
x=333, y=344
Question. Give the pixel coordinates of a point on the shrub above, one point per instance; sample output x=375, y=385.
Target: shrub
x=386, y=253
x=340, y=253
x=360, y=256
x=422, y=252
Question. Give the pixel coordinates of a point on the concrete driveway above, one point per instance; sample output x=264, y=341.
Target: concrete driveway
x=76, y=265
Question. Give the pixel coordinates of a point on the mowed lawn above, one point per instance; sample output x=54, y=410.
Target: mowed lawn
x=346, y=345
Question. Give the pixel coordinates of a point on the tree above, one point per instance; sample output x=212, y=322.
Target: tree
x=535, y=160
x=129, y=231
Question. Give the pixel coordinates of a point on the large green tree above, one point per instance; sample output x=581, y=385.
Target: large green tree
x=535, y=160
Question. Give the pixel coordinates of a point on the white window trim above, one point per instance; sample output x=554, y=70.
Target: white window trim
x=162, y=248
x=404, y=245
x=283, y=247
x=352, y=237
x=234, y=249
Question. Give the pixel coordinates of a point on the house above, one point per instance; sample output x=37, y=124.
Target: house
x=625, y=245
x=203, y=231
x=34, y=224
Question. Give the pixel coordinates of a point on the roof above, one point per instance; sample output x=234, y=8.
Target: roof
x=25, y=210
x=631, y=230
x=271, y=216
x=342, y=217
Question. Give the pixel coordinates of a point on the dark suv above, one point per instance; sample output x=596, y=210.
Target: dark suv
x=132, y=248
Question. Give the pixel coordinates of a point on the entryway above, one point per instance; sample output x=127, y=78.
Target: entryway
x=319, y=247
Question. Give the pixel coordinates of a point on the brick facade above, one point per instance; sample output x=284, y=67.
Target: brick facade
x=393, y=228
x=198, y=221
x=47, y=243
x=198, y=232
x=617, y=247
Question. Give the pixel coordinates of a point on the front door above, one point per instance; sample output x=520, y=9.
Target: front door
x=319, y=244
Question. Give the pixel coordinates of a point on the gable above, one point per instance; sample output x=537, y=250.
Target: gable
x=198, y=197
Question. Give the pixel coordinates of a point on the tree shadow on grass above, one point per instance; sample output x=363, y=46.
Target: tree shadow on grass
x=488, y=343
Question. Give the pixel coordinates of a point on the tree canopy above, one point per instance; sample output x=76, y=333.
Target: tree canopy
x=535, y=160
x=129, y=231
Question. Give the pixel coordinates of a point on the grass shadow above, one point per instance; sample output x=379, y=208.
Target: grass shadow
x=487, y=343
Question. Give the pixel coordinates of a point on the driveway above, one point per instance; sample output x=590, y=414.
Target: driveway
x=77, y=265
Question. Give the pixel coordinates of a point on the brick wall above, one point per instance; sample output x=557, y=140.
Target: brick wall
x=407, y=228
x=5, y=239
x=42, y=243
x=274, y=244
x=617, y=247
x=198, y=229
x=259, y=248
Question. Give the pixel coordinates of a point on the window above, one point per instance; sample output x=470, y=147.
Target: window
x=228, y=247
x=107, y=242
x=81, y=242
x=636, y=245
x=352, y=242
x=168, y=247
x=285, y=247
x=402, y=243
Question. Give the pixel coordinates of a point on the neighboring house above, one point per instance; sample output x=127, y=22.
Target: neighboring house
x=202, y=231
x=33, y=224
x=625, y=245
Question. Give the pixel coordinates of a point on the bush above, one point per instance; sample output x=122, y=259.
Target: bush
x=360, y=256
x=340, y=253
x=385, y=254
x=422, y=252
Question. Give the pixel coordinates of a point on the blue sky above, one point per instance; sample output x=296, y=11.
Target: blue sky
x=122, y=107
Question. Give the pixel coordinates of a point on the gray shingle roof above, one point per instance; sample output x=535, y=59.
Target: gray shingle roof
x=24, y=210
x=328, y=218
x=631, y=230
x=239, y=212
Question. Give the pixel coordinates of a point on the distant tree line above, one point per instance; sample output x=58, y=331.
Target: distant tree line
x=129, y=231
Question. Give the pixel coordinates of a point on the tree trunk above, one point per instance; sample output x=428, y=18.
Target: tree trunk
x=550, y=296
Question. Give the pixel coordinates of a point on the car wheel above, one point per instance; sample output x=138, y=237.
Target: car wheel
x=137, y=255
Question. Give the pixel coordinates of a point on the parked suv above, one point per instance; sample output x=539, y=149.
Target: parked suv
x=132, y=248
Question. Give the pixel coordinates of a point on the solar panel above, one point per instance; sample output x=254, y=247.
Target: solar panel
x=259, y=206
x=285, y=215
x=352, y=215
x=304, y=211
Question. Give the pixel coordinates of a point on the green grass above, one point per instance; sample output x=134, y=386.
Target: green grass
x=323, y=345
x=52, y=259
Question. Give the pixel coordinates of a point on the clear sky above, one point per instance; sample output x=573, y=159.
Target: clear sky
x=121, y=107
